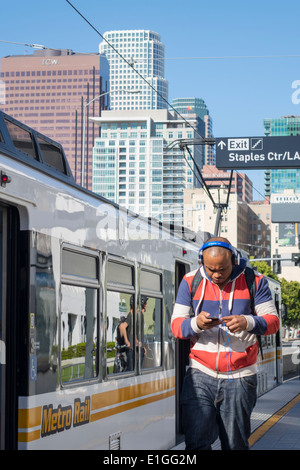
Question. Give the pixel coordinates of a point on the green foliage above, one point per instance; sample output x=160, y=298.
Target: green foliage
x=111, y=352
x=290, y=292
x=290, y=296
x=77, y=350
x=263, y=268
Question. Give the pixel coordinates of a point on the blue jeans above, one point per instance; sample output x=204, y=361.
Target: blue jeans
x=217, y=407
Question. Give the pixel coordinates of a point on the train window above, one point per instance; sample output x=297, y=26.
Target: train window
x=79, y=316
x=52, y=155
x=79, y=264
x=149, y=319
x=150, y=280
x=1, y=138
x=120, y=328
x=78, y=333
x=121, y=318
x=120, y=274
x=22, y=139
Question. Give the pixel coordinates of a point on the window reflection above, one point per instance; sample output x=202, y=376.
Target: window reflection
x=127, y=343
x=22, y=139
x=120, y=328
x=149, y=318
x=78, y=333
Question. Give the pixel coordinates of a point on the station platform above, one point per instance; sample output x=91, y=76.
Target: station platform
x=276, y=418
x=275, y=421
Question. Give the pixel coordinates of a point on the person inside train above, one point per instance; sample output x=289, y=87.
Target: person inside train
x=126, y=331
x=219, y=389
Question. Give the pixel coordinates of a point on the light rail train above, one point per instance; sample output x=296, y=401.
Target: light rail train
x=270, y=363
x=72, y=264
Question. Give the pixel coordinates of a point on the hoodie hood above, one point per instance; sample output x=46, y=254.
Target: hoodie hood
x=237, y=271
x=239, y=268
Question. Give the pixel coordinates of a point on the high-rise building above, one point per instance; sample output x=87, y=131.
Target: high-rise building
x=144, y=52
x=190, y=106
x=132, y=168
x=46, y=90
x=187, y=106
x=200, y=215
x=259, y=230
x=284, y=182
x=246, y=224
x=240, y=183
x=276, y=181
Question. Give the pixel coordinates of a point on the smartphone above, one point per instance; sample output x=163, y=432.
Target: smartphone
x=214, y=319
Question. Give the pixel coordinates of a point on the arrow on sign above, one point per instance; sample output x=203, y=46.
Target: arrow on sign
x=221, y=144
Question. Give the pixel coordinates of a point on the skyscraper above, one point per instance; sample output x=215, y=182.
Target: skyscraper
x=145, y=54
x=197, y=106
x=276, y=181
x=46, y=91
x=190, y=105
x=284, y=181
x=132, y=168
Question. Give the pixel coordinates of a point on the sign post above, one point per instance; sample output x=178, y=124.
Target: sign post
x=258, y=152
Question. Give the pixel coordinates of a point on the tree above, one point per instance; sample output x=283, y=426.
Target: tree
x=290, y=292
x=263, y=268
x=290, y=296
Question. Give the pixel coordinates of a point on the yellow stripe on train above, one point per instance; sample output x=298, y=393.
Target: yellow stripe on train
x=101, y=405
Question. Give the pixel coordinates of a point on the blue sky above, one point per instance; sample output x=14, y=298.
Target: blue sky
x=202, y=42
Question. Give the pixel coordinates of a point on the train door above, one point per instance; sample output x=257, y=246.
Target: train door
x=182, y=353
x=8, y=272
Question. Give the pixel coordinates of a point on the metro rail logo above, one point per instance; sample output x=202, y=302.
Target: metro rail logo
x=81, y=411
x=60, y=419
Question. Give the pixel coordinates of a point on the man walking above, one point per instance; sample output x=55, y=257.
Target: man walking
x=219, y=390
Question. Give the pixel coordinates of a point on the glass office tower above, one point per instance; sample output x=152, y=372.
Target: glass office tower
x=46, y=90
x=276, y=181
x=144, y=52
x=188, y=106
x=132, y=167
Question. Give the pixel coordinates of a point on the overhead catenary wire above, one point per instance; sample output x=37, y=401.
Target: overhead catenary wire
x=130, y=64
x=36, y=46
x=225, y=57
x=40, y=46
x=151, y=86
x=202, y=180
x=242, y=176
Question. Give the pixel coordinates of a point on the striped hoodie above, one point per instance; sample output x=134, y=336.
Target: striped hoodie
x=217, y=351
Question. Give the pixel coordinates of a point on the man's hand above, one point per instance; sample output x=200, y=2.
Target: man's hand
x=235, y=323
x=205, y=323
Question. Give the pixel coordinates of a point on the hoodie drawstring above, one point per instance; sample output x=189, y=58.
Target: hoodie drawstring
x=231, y=296
x=202, y=296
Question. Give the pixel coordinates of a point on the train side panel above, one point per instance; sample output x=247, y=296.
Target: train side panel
x=133, y=413
x=94, y=407
x=269, y=370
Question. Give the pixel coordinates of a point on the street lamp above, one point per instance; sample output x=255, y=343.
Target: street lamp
x=85, y=105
